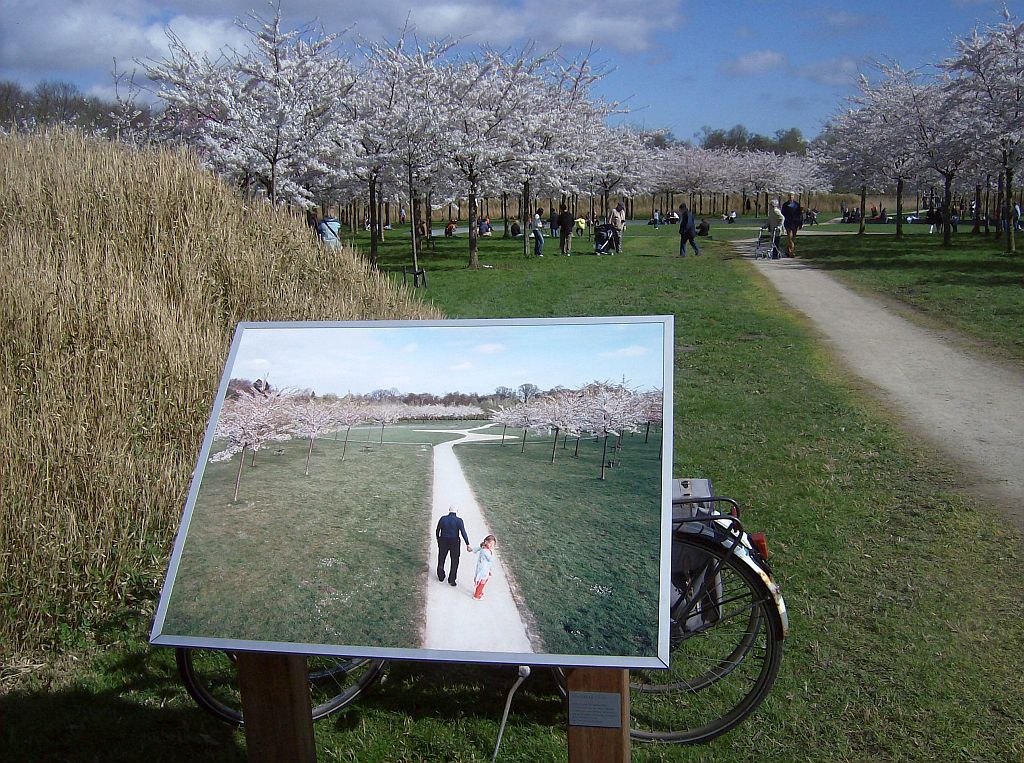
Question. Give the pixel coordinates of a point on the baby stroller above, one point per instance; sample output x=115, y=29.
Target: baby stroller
x=603, y=238
x=767, y=244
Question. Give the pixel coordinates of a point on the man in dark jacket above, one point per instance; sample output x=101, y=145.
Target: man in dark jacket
x=793, y=217
x=449, y=528
x=687, y=231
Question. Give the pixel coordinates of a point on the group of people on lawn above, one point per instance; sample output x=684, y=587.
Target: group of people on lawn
x=448, y=531
x=789, y=217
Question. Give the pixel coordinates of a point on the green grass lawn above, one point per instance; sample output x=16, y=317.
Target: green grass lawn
x=336, y=557
x=973, y=286
x=905, y=594
x=584, y=551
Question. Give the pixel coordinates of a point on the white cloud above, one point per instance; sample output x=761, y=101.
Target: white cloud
x=837, y=72
x=625, y=352
x=489, y=348
x=411, y=347
x=465, y=366
x=754, y=63
x=841, y=22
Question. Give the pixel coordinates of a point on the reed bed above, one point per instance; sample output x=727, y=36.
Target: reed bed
x=124, y=274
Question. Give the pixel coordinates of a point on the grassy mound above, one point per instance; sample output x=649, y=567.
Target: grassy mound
x=124, y=274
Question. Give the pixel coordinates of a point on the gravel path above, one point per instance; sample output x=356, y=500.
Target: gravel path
x=970, y=407
x=454, y=620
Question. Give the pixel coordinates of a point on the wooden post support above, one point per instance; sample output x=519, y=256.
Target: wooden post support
x=277, y=708
x=595, y=692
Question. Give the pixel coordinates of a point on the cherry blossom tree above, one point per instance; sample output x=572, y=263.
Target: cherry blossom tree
x=347, y=413
x=563, y=413
x=384, y=414
x=611, y=410
x=310, y=416
x=481, y=98
x=250, y=421
x=259, y=114
x=988, y=74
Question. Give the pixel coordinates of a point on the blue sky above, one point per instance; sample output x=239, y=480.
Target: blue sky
x=680, y=64
x=453, y=358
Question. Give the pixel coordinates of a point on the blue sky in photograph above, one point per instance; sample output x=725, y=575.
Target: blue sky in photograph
x=678, y=64
x=446, y=359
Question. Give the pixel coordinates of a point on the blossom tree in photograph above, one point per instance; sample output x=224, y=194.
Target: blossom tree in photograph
x=250, y=421
x=310, y=417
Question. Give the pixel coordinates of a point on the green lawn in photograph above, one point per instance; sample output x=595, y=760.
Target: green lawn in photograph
x=336, y=557
x=584, y=551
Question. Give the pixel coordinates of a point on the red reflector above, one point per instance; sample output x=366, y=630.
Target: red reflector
x=760, y=542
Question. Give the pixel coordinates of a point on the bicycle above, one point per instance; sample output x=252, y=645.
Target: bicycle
x=728, y=622
x=211, y=679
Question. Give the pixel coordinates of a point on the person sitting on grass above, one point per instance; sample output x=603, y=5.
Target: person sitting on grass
x=703, y=228
x=483, y=565
x=449, y=229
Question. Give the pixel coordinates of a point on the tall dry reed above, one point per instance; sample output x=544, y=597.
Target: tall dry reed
x=122, y=275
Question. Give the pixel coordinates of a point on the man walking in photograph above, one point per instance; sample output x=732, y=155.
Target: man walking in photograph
x=449, y=528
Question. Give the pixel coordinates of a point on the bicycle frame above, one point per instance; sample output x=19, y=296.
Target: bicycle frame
x=726, y=530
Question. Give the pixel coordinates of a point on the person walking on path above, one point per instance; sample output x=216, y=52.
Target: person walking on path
x=617, y=219
x=687, y=231
x=793, y=217
x=483, y=565
x=775, y=222
x=565, y=226
x=449, y=528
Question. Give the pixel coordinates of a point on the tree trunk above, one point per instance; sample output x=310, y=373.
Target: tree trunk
x=309, y=453
x=373, y=220
x=998, y=208
x=382, y=433
x=554, y=444
x=526, y=217
x=503, y=428
x=1011, y=236
x=413, y=226
x=474, y=259
x=238, y=474
x=523, y=449
x=344, y=448
x=504, y=213
x=976, y=228
x=576, y=452
x=863, y=213
x=604, y=455
x=899, y=208
x=947, y=205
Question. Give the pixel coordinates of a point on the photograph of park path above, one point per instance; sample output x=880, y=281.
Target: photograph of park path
x=313, y=518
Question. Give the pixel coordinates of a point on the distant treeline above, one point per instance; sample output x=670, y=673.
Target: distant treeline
x=53, y=102
x=501, y=395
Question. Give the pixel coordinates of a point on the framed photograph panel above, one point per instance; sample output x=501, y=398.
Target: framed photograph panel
x=464, y=490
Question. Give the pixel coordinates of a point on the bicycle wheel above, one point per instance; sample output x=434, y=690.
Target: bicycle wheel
x=726, y=648
x=211, y=678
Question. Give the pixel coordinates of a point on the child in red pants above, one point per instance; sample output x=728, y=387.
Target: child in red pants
x=483, y=565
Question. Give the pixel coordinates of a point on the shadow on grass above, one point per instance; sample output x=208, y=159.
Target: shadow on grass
x=447, y=691
x=131, y=718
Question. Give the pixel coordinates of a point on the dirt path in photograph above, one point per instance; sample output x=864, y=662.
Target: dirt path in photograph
x=970, y=407
x=454, y=620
